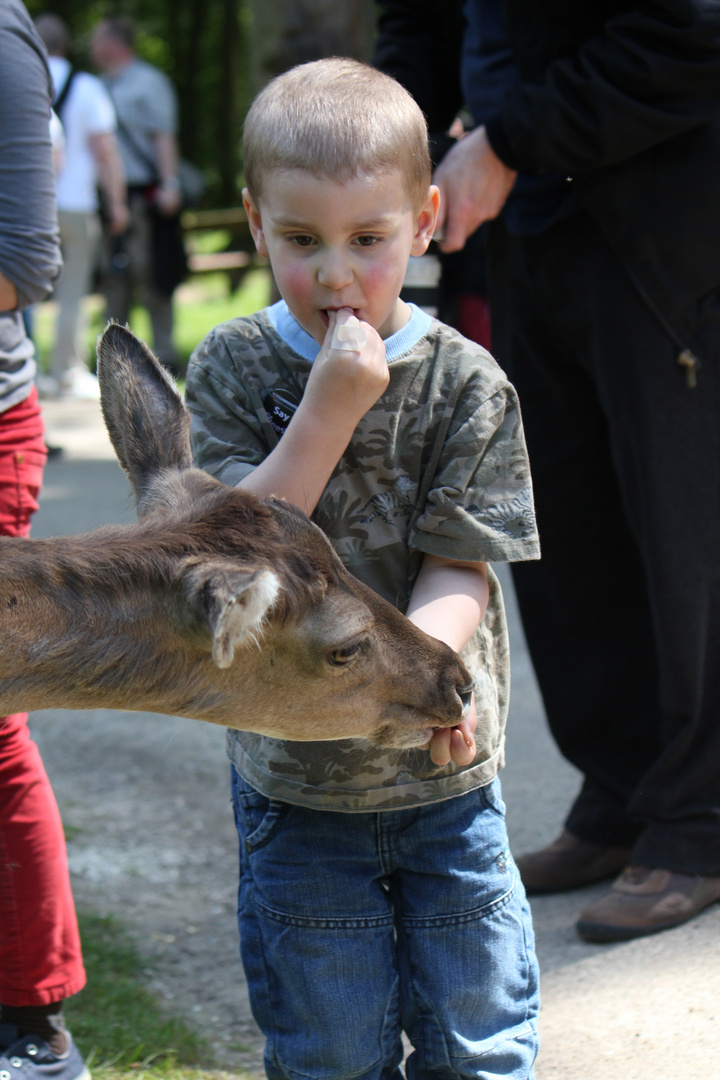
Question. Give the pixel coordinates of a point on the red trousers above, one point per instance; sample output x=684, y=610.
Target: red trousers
x=40, y=957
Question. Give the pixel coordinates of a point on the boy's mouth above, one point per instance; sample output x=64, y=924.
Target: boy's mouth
x=325, y=312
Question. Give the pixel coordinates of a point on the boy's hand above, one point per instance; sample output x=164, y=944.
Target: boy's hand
x=345, y=382
x=456, y=744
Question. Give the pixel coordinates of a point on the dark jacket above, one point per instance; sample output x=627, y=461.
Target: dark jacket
x=624, y=99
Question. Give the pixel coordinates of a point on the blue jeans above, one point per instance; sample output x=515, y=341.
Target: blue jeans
x=354, y=927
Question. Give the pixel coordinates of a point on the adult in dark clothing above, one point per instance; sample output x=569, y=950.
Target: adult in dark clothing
x=599, y=147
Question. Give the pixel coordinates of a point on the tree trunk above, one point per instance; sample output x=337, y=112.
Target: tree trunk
x=289, y=32
x=228, y=150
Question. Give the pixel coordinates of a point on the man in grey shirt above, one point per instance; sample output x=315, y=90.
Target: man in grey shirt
x=146, y=108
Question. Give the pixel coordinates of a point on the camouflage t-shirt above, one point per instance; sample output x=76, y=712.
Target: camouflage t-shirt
x=437, y=465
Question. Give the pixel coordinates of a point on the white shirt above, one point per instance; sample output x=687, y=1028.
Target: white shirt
x=87, y=111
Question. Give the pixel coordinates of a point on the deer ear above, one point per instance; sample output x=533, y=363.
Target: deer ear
x=144, y=414
x=232, y=603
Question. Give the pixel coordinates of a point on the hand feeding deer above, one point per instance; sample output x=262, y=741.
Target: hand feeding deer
x=215, y=605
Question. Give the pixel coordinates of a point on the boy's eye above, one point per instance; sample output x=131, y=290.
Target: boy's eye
x=302, y=241
x=366, y=241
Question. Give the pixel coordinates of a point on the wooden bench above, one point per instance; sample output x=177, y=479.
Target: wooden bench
x=239, y=254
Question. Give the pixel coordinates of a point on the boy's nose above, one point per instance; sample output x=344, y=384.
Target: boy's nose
x=335, y=271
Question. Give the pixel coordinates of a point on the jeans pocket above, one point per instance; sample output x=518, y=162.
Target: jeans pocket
x=491, y=797
x=256, y=816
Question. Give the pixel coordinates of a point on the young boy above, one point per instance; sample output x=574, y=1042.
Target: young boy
x=377, y=892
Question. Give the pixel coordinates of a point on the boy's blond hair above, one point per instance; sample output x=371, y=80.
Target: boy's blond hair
x=338, y=119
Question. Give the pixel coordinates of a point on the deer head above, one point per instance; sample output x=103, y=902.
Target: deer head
x=216, y=604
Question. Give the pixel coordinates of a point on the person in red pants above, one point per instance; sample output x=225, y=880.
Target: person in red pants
x=40, y=955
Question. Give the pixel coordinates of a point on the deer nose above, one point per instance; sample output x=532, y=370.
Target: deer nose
x=465, y=694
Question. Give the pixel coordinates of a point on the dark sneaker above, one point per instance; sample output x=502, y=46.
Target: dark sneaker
x=30, y=1058
x=569, y=863
x=645, y=900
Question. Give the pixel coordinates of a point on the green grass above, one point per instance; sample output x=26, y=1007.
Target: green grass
x=119, y=1026
x=200, y=304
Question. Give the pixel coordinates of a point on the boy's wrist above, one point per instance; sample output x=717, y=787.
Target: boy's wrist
x=325, y=421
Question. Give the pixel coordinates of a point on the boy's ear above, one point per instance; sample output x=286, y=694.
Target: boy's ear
x=426, y=220
x=255, y=223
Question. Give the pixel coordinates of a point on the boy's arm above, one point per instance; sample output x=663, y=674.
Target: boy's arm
x=448, y=600
x=342, y=386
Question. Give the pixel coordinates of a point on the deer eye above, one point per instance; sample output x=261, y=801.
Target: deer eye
x=345, y=655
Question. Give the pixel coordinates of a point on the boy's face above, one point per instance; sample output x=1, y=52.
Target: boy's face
x=335, y=244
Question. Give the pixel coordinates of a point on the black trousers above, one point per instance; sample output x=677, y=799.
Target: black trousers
x=622, y=613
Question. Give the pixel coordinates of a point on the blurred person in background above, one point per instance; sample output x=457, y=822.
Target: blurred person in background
x=90, y=160
x=140, y=265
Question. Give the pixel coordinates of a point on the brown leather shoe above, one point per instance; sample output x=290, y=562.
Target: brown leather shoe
x=569, y=863
x=645, y=900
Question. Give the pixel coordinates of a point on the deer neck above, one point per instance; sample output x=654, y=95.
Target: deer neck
x=75, y=632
